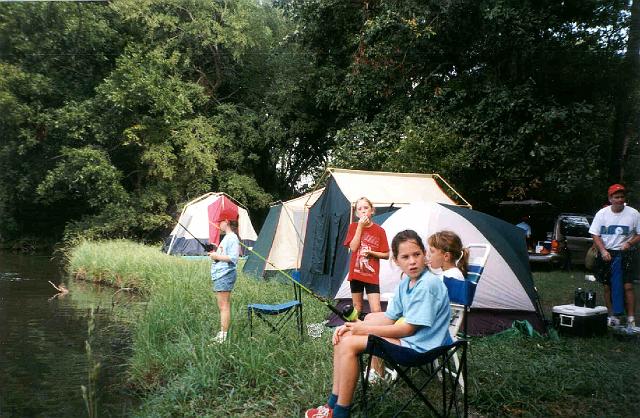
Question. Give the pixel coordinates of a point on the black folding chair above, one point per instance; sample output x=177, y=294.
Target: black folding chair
x=276, y=316
x=443, y=368
x=419, y=371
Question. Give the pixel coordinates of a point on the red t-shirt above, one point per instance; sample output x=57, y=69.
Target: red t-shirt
x=366, y=269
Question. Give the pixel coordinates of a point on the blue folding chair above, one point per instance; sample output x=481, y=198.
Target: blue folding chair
x=277, y=315
x=448, y=363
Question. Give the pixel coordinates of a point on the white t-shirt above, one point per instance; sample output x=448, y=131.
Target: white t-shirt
x=453, y=273
x=615, y=228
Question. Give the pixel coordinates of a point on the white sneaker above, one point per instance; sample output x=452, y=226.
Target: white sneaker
x=613, y=321
x=390, y=375
x=220, y=338
x=374, y=377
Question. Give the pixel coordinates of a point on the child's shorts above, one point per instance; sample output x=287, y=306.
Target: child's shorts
x=226, y=282
x=358, y=287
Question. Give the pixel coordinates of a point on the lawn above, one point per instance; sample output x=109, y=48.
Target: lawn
x=178, y=370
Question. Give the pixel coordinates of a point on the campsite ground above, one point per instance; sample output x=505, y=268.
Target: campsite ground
x=179, y=371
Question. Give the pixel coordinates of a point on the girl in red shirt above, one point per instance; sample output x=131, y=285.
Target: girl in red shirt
x=368, y=244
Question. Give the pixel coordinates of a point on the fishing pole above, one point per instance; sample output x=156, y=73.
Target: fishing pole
x=341, y=315
x=207, y=247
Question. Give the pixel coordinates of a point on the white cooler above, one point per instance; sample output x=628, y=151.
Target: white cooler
x=579, y=320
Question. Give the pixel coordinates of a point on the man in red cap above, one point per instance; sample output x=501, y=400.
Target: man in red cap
x=615, y=230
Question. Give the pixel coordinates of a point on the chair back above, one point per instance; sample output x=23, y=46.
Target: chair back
x=462, y=292
x=297, y=291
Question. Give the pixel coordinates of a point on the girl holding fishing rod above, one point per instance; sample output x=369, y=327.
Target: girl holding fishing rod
x=421, y=299
x=368, y=244
x=224, y=274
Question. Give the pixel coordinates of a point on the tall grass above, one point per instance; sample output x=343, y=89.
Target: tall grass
x=182, y=372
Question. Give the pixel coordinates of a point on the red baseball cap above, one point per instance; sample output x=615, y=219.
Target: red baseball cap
x=615, y=188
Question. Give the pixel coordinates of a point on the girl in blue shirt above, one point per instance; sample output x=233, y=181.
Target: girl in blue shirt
x=421, y=298
x=223, y=273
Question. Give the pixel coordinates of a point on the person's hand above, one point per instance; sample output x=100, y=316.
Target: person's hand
x=625, y=246
x=213, y=255
x=338, y=333
x=364, y=221
x=605, y=255
x=356, y=328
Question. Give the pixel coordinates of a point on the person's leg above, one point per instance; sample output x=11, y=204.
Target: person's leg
x=346, y=361
x=607, y=298
x=374, y=302
x=356, y=299
x=346, y=367
x=629, y=299
x=224, y=305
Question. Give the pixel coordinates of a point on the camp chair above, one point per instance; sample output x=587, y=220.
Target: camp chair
x=448, y=363
x=277, y=315
x=461, y=293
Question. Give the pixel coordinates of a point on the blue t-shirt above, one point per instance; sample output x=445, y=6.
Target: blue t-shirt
x=425, y=305
x=230, y=246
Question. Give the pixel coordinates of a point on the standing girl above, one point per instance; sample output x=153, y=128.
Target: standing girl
x=223, y=273
x=368, y=244
x=446, y=255
x=421, y=298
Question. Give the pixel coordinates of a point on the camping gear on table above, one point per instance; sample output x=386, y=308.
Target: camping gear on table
x=579, y=320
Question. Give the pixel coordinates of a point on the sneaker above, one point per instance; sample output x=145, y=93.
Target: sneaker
x=220, y=338
x=320, y=412
x=374, y=377
x=631, y=323
x=613, y=321
x=390, y=375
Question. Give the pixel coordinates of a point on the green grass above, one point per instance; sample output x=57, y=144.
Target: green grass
x=179, y=371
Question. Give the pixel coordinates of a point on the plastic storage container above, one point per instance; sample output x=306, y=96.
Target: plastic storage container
x=579, y=320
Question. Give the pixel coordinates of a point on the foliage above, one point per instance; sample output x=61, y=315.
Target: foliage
x=158, y=102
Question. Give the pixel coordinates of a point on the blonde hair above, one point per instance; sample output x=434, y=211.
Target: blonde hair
x=450, y=242
x=373, y=209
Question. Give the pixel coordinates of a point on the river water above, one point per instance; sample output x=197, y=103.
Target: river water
x=43, y=360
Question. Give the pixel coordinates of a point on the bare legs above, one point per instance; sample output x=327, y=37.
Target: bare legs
x=374, y=301
x=224, y=305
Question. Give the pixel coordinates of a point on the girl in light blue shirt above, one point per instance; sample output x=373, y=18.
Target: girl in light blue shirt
x=223, y=273
x=421, y=299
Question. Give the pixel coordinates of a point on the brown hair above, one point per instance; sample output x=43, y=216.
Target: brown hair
x=404, y=236
x=449, y=242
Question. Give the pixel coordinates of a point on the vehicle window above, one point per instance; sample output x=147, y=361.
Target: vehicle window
x=575, y=226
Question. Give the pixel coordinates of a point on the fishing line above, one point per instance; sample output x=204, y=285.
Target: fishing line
x=207, y=247
x=328, y=304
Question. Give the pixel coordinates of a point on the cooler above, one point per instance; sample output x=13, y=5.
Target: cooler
x=579, y=320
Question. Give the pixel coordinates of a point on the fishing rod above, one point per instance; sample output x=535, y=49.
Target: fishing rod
x=207, y=247
x=347, y=315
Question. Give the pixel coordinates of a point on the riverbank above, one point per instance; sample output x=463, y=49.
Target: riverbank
x=180, y=370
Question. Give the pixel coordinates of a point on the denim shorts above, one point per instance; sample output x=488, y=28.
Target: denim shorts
x=226, y=282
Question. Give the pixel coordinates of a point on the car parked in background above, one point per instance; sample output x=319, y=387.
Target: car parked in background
x=566, y=244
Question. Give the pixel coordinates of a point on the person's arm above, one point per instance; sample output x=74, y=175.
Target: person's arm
x=376, y=254
x=628, y=244
x=355, y=241
x=601, y=248
x=396, y=330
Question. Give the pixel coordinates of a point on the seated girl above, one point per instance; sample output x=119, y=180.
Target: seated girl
x=421, y=298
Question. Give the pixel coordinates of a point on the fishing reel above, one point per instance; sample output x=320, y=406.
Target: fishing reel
x=351, y=314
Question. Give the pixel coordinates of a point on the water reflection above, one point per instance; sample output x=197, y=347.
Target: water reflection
x=42, y=341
